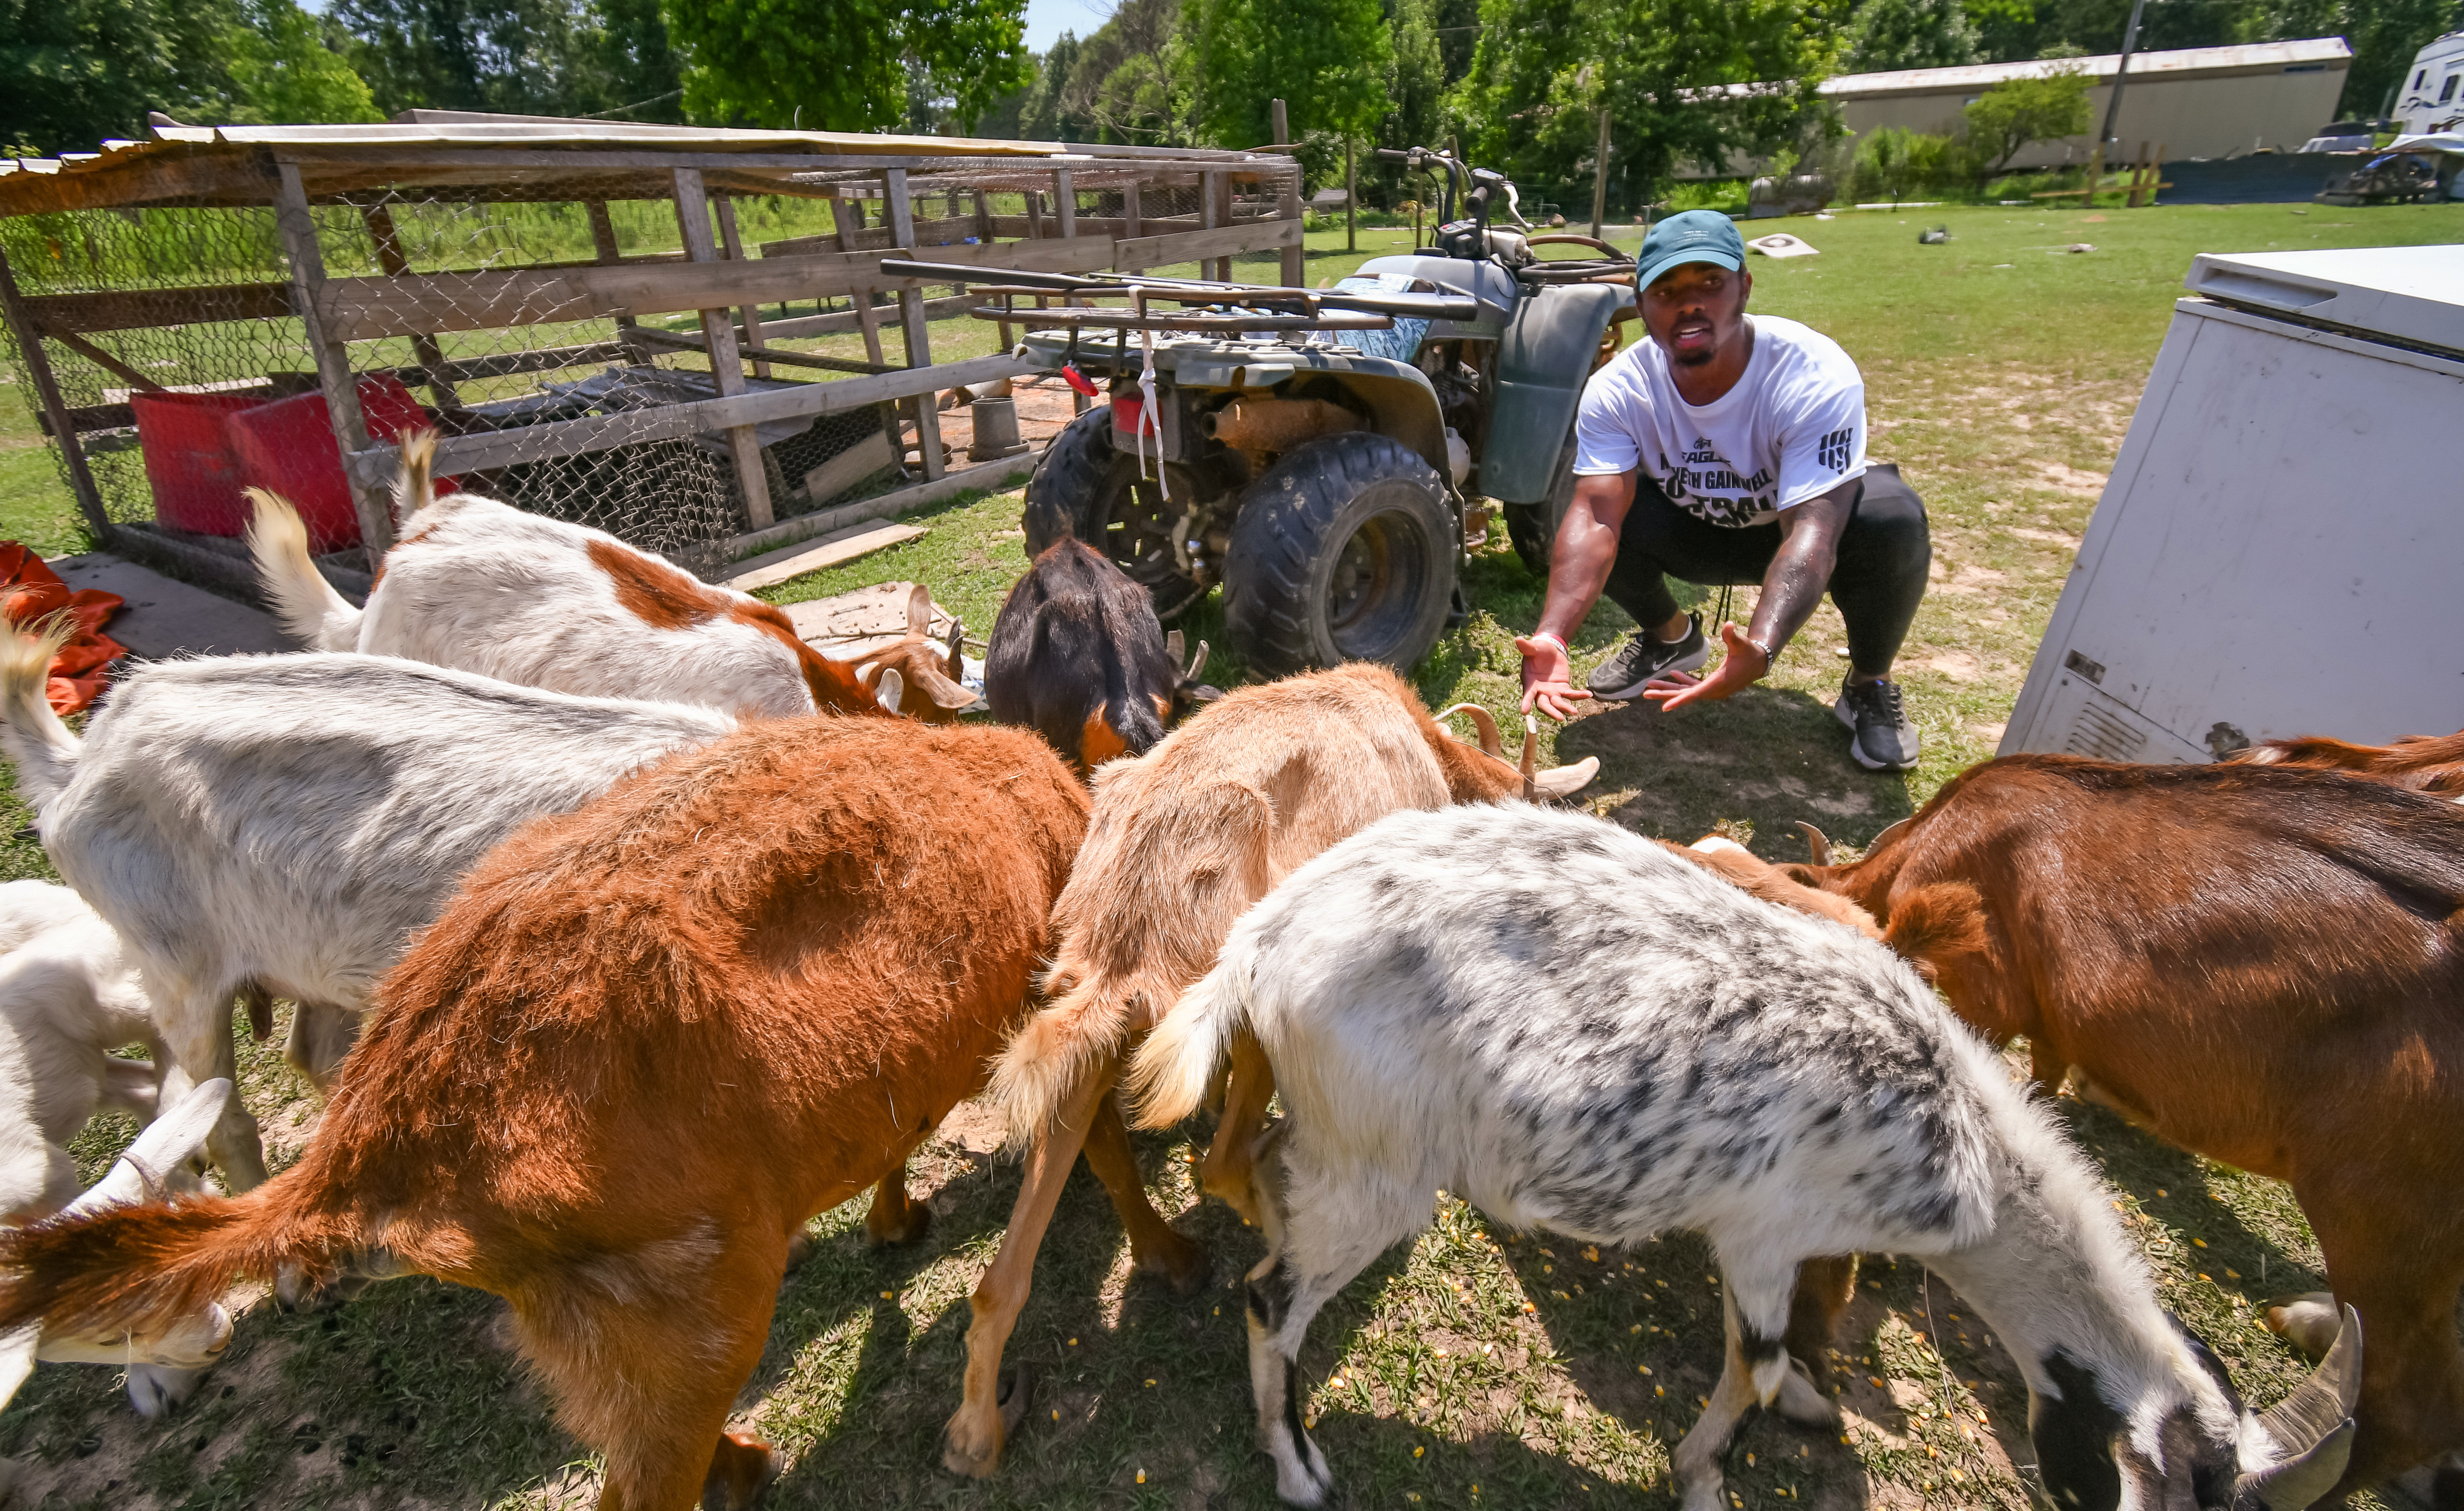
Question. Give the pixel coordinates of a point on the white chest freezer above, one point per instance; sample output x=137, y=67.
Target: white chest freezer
x=2281, y=548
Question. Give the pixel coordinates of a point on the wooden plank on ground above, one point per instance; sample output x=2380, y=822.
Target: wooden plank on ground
x=831, y=550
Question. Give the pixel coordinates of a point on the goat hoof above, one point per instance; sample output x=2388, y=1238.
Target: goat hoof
x=1018, y=1392
x=741, y=1471
x=1187, y=1266
x=970, y=1445
x=154, y=1389
x=919, y=1221
x=2310, y=1322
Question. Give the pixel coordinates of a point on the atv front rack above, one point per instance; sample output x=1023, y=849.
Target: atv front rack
x=1201, y=304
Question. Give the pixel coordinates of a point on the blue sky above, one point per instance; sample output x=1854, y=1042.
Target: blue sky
x=1048, y=19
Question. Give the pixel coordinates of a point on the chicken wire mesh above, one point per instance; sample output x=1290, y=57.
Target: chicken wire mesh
x=175, y=418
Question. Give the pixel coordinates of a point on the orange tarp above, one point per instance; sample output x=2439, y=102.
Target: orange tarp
x=34, y=592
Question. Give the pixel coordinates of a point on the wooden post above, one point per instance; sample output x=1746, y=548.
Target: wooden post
x=718, y=339
x=1065, y=205
x=847, y=214
x=2094, y=171
x=984, y=237
x=602, y=240
x=912, y=323
x=1287, y=205
x=298, y=227
x=1132, y=227
x=47, y=393
x=752, y=313
x=1600, y=179
x=390, y=260
x=1215, y=189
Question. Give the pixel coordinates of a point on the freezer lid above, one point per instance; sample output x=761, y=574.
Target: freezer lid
x=2407, y=293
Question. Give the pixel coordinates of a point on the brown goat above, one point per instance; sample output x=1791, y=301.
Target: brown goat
x=1182, y=840
x=914, y=676
x=2259, y=963
x=641, y=1048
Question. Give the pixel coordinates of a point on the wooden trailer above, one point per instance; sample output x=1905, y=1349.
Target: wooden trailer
x=651, y=329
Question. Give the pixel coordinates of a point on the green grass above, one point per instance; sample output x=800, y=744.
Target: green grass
x=1477, y=1367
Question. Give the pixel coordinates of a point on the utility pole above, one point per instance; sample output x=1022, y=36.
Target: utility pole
x=2113, y=103
x=1600, y=178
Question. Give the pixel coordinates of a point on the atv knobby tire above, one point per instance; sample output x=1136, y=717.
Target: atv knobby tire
x=1084, y=488
x=1343, y=551
x=1534, y=527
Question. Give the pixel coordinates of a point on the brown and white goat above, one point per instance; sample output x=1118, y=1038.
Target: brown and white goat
x=752, y=977
x=482, y=586
x=2260, y=963
x=1182, y=840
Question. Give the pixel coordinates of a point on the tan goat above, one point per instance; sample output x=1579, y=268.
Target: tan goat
x=1182, y=840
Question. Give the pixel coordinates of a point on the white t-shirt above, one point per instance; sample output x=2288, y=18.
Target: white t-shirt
x=1793, y=427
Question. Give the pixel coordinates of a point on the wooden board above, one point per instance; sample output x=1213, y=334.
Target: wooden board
x=829, y=551
x=855, y=625
x=135, y=309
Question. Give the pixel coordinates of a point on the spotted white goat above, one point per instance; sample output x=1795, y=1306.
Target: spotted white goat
x=483, y=586
x=1578, y=1030
x=283, y=824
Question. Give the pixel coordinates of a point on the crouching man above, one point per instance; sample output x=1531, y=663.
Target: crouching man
x=1730, y=449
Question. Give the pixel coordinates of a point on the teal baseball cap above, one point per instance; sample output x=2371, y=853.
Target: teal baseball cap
x=1694, y=235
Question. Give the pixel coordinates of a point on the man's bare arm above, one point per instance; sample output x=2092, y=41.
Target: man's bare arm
x=1578, y=567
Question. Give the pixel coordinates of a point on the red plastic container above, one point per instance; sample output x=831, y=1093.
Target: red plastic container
x=188, y=461
x=287, y=446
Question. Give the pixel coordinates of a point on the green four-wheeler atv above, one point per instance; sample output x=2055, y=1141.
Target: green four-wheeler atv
x=1317, y=452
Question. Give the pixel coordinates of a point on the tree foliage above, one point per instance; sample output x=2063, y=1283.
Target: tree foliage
x=1327, y=60
x=531, y=58
x=1889, y=34
x=1674, y=76
x=2016, y=112
x=842, y=65
x=288, y=67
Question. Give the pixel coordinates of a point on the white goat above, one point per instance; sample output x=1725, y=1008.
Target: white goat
x=1577, y=1029
x=162, y=1367
x=482, y=586
x=283, y=824
x=68, y=998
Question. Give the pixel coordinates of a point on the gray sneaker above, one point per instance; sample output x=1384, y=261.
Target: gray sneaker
x=1642, y=658
x=1885, y=736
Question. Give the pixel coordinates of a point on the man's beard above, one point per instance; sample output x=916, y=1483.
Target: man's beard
x=1699, y=357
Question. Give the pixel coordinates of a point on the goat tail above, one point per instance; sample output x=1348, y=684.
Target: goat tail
x=140, y=1269
x=1053, y=1053
x=1174, y=1070
x=413, y=490
x=44, y=751
x=1937, y=924
x=306, y=603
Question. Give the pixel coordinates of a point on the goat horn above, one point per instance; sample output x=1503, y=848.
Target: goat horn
x=166, y=1143
x=1172, y=647
x=1483, y=724
x=1531, y=753
x=2315, y=1428
x=1564, y=782
x=957, y=649
x=1887, y=833
x=1816, y=842
x=1196, y=662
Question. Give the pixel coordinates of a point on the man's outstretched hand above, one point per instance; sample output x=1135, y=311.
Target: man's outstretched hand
x=1740, y=668
x=1548, y=679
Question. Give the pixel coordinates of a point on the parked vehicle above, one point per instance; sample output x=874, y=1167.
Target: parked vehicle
x=1318, y=451
x=2402, y=178
x=2431, y=98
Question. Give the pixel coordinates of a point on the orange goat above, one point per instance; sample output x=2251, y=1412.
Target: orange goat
x=641, y=1048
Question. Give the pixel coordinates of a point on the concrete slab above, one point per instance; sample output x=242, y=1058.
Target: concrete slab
x=165, y=617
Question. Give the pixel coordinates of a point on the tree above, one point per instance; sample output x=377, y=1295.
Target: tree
x=1683, y=80
x=74, y=72
x=1327, y=60
x=1041, y=114
x=841, y=65
x=287, y=67
x=1131, y=81
x=1416, y=90
x=1888, y=34
x=2016, y=112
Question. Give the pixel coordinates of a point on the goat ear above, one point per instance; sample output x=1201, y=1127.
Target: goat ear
x=1200, y=692
x=919, y=610
x=890, y=690
x=944, y=692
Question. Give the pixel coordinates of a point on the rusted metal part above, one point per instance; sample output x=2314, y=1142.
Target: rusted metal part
x=1277, y=424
